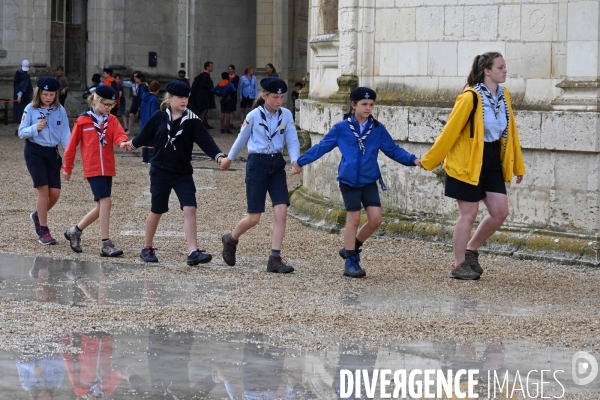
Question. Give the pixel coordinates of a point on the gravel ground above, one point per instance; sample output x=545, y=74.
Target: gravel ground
x=521, y=300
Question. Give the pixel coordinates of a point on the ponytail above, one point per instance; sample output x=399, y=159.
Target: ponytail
x=260, y=99
x=481, y=63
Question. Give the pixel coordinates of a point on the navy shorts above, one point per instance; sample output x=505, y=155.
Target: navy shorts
x=490, y=179
x=367, y=195
x=135, y=105
x=265, y=173
x=122, y=106
x=226, y=107
x=161, y=184
x=43, y=164
x=101, y=186
x=246, y=102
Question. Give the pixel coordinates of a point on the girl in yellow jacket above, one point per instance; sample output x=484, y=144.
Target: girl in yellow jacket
x=481, y=151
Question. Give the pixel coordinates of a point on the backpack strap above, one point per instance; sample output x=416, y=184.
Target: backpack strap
x=472, y=115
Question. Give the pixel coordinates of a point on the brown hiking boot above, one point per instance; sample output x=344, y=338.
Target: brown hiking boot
x=472, y=257
x=463, y=271
x=228, y=250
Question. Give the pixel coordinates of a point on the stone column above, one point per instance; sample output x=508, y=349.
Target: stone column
x=582, y=84
x=348, y=14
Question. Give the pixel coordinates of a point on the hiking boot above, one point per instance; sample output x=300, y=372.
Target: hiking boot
x=44, y=236
x=36, y=222
x=108, y=249
x=277, y=264
x=198, y=257
x=342, y=253
x=74, y=239
x=228, y=131
x=353, y=269
x=472, y=257
x=148, y=255
x=228, y=250
x=38, y=264
x=463, y=271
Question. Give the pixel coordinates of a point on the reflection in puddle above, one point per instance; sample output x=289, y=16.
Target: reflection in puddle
x=163, y=363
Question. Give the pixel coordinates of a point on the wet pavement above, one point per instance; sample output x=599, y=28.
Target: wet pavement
x=167, y=363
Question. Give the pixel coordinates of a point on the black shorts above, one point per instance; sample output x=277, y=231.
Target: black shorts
x=490, y=180
x=246, y=102
x=368, y=195
x=265, y=173
x=135, y=105
x=226, y=107
x=101, y=186
x=43, y=164
x=163, y=182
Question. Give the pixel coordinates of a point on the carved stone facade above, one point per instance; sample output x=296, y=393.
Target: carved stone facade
x=416, y=54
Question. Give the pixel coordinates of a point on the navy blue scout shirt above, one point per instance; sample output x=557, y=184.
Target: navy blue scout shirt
x=176, y=159
x=357, y=169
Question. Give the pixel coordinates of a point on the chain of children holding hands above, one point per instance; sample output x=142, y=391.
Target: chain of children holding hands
x=479, y=146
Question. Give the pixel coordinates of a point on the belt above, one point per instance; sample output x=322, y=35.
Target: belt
x=264, y=155
x=44, y=147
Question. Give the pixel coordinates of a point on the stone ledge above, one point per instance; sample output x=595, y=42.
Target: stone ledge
x=519, y=242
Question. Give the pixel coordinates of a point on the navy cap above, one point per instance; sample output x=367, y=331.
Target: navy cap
x=178, y=88
x=274, y=85
x=362, y=93
x=106, y=92
x=48, y=83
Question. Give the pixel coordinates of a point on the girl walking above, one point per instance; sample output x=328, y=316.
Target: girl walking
x=266, y=129
x=97, y=130
x=481, y=151
x=173, y=132
x=359, y=137
x=44, y=125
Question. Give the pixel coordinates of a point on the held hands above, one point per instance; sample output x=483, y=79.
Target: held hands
x=66, y=175
x=126, y=146
x=41, y=124
x=224, y=163
x=418, y=163
x=296, y=169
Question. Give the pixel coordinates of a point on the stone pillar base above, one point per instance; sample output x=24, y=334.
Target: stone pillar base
x=346, y=84
x=579, y=95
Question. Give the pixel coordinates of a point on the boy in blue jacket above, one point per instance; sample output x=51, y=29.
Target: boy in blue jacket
x=227, y=92
x=359, y=137
x=149, y=106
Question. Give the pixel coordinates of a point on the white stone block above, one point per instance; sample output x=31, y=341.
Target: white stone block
x=409, y=3
x=379, y=4
x=430, y=23
x=562, y=21
x=570, y=208
x=570, y=131
x=475, y=2
x=395, y=120
x=412, y=58
x=453, y=23
x=582, y=59
x=443, y=59
x=440, y=2
x=509, y=22
x=582, y=20
x=451, y=84
x=559, y=60
x=388, y=58
x=528, y=205
x=541, y=91
x=529, y=60
x=481, y=23
x=571, y=170
x=539, y=167
x=425, y=124
x=538, y=22
x=529, y=126
x=467, y=51
x=395, y=25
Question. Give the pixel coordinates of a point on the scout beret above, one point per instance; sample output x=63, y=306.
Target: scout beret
x=361, y=93
x=106, y=92
x=178, y=88
x=274, y=85
x=48, y=83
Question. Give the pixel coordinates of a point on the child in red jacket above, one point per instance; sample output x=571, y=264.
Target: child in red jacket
x=96, y=129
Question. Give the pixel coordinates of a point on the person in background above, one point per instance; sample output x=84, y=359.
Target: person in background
x=181, y=76
x=64, y=84
x=248, y=92
x=295, y=94
x=235, y=80
x=271, y=72
x=23, y=91
x=150, y=105
x=92, y=89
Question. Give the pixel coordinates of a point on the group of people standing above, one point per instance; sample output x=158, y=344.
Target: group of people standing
x=479, y=146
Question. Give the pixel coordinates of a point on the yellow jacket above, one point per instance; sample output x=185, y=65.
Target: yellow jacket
x=464, y=155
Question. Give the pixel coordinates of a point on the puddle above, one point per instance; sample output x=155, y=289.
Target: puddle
x=164, y=364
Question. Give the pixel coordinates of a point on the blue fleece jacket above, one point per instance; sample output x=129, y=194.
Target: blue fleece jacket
x=149, y=106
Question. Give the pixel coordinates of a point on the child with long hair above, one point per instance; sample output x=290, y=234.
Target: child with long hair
x=173, y=131
x=45, y=125
x=97, y=130
x=359, y=137
x=266, y=129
